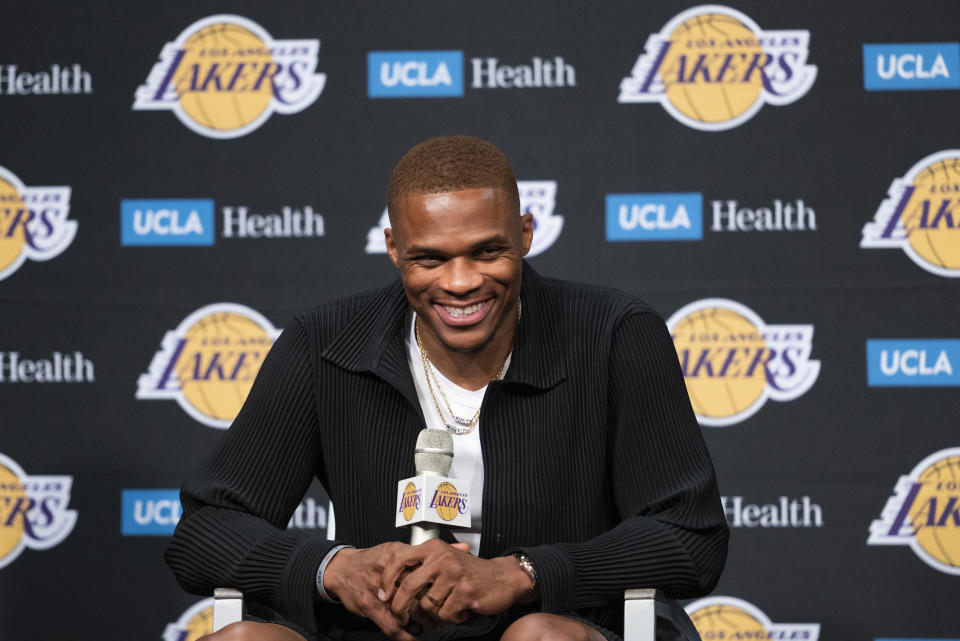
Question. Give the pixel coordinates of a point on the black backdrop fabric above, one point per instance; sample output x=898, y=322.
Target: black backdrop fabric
x=149, y=256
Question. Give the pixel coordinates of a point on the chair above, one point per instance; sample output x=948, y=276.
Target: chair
x=227, y=607
x=648, y=615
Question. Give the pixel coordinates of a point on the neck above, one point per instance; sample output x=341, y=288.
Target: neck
x=471, y=370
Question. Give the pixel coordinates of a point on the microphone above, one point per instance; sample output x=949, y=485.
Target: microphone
x=434, y=453
x=433, y=456
x=430, y=499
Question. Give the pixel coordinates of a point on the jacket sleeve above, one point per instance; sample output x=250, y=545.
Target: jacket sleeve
x=237, y=504
x=673, y=534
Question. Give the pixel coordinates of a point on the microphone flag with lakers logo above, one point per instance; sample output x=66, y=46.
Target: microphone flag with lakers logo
x=431, y=497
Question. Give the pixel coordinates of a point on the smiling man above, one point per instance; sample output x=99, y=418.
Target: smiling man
x=569, y=416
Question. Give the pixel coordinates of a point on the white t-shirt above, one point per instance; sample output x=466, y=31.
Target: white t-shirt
x=467, y=457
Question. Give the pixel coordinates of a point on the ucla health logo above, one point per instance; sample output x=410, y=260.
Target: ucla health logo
x=537, y=197
x=34, y=223
x=654, y=217
x=712, y=68
x=733, y=361
x=174, y=221
x=415, y=74
x=924, y=512
x=729, y=619
x=33, y=510
x=920, y=215
x=208, y=363
x=149, y=512
x=934, y=65
x=195, y=622
x=921, y=362
x=224, y=76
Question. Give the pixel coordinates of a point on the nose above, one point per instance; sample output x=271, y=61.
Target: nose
x=461, y=277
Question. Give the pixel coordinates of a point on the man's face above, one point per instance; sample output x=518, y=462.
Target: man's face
x=460, y=256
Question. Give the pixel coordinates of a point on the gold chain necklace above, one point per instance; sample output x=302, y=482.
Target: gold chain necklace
x=461, y=425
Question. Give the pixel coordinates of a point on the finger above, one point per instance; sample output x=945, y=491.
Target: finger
x=425, y=618
x=389, y=624
x=454, y=610
x=411, y=588
x=463, y=547
x=393, y=570
x=434, y=597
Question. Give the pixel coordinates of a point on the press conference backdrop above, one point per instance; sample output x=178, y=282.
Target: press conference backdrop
x=780, y=180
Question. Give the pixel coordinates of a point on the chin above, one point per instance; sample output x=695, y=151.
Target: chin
x=464, y=346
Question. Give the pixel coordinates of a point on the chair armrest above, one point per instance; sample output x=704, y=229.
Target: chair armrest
x=647, y=612
x=227, y=607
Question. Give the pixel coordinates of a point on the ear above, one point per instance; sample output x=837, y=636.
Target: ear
x=526, y=228
x=391, y=247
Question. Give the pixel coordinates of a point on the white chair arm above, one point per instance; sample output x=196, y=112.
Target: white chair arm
x=227, y=607
x=642, y=608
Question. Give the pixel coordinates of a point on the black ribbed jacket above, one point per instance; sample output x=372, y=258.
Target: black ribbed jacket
x=594, y=464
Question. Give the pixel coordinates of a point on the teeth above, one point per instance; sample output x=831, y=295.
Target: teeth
x=459, y=312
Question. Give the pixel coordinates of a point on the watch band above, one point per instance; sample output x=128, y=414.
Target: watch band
x=527, y=566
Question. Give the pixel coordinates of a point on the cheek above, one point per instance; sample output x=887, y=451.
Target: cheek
x=415, y=282
x=506, y=273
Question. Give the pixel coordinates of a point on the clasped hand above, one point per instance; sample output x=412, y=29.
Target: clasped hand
x=434, y=583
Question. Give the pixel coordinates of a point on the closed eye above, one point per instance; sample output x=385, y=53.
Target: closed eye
x=489, y=252
x=426, y=260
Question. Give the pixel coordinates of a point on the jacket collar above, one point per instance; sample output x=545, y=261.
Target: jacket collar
x=373, y=340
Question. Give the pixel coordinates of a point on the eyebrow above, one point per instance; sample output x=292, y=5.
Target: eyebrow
x=492, y=240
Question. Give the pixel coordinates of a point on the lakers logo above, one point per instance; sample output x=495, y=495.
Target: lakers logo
x=410, y=501
x=33, y=510
x=921, y=215
x=712, y=68
x=448, y=502
x=924, y=512
x=727, y=618
x=538, y=198
x=225, y=75
x=195, y=622
x=33, y=222
x=208, y=363
x=733, y=362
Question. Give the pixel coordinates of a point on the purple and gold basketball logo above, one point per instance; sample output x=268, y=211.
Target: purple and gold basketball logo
x=447, y=502
x=924, y=512
x=195, y=622
x=921, y=215
x=730, y=619
x=410, y=502
x=33, y=510
x=224, y=76
x=33, y=222
x=713, y=68
x=208, y=363
x=733, y=361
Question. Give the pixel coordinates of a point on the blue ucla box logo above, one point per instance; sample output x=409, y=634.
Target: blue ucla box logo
x=415, y=74
x=932, y=65
x=913, y=362
x=149, y=512
x=174, y=221
x=654, y=217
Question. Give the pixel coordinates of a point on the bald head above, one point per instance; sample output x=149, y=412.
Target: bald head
x=451, y=163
